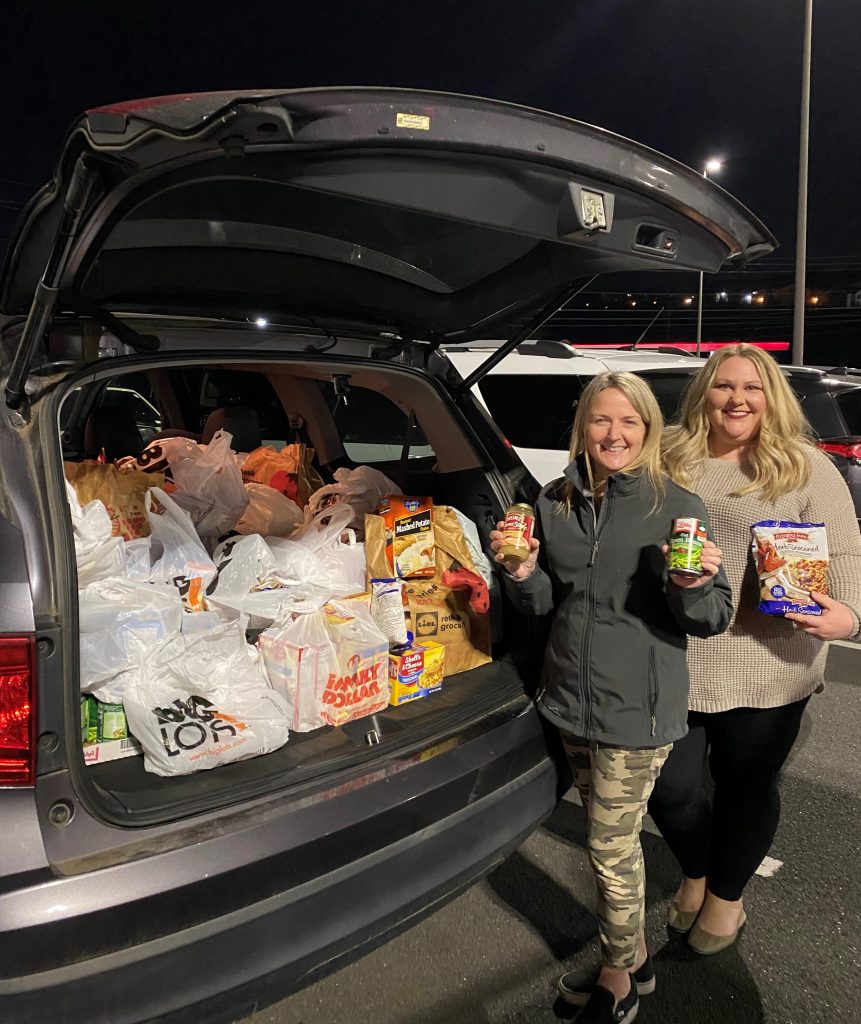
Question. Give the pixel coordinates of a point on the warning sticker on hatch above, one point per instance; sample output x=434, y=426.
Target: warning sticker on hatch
x=419, y=121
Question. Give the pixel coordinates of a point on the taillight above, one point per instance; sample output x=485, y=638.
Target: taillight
x=17, y=711
x=845, y=451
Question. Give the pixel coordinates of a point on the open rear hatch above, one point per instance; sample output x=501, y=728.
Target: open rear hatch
x=344, y=221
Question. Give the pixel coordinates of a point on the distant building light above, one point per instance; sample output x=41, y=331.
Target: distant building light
x=747, y=298
x=759, y=300
x=687, y=300
x=814, y=300
x=261, y=321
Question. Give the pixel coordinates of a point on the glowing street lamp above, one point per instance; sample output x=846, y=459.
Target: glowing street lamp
x=712, y=166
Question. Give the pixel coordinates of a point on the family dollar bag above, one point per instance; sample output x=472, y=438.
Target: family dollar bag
x=121, y=493
x=201, y=701
x=288, y=471
x=331, y=664
x=436, y=611
x=209, y=486
x=182, y=561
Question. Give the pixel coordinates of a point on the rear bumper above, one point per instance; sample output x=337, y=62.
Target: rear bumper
x=270, y=945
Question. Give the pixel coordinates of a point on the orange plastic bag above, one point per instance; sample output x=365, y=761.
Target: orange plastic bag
x=288, y=471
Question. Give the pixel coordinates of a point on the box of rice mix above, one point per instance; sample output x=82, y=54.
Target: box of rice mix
x=415, y=671
x=409, y=535
x=791, y=559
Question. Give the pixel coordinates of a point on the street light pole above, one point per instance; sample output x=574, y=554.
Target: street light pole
x=801, y=211
x=714, y=166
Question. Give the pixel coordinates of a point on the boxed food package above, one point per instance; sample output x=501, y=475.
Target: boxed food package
x=416, y=671
x=111, y=750
x=791, y=559
x=409, y=536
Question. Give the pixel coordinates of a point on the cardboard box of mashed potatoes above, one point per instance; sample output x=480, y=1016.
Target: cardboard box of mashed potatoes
x=409, y=536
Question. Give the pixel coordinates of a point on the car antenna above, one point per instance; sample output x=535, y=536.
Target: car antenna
x=646, y=330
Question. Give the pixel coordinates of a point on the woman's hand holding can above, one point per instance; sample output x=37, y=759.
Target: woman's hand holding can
x=518, y=569
x=710, y=558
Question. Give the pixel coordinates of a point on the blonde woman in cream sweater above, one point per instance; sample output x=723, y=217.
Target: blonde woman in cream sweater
x=744, y=446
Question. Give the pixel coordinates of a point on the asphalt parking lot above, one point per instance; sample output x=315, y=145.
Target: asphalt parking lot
x=492, y=955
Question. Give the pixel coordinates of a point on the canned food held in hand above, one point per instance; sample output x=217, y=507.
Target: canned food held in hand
x=517, y=532
x=685, y=550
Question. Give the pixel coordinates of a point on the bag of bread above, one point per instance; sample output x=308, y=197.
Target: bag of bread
x=450, y=615
x=791, y=560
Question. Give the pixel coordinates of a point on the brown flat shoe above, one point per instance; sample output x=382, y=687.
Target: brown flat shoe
x=707, y=944
x=681, y=921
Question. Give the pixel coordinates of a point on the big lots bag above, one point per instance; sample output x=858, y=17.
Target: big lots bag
x=330, y=664
x=202, y=701
x=436, y=611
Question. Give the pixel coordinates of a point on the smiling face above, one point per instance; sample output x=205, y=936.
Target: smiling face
x=615, y=433
x=734, y=405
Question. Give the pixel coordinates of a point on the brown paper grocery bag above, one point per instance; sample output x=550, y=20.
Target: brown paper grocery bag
x=434, y=611
x=122, y=494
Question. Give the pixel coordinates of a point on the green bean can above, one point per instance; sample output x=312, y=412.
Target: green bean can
x=685, y=549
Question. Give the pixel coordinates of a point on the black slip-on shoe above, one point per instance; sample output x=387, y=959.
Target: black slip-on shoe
x=575, y=987
x=602, y=1008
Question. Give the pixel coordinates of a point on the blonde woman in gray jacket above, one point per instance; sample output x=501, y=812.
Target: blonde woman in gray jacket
x=615, y=677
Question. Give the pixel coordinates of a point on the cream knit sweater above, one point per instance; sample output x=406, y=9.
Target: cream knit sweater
x=761, y=661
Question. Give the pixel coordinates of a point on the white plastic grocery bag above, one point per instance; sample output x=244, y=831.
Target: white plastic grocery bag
x=260, y=580
x=361, y=489
x=209, y=485
x=331, y=665
x=113, y=611
x=203, y=701
x=182, y=561
x=98, y=554
x=342, y=556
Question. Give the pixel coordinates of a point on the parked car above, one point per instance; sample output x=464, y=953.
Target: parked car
x=299, y=256
x=550, y=375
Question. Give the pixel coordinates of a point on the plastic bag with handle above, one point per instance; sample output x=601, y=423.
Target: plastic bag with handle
x=209, y=485
x=343, y=557
x=261, y=580
x=98, y=553
x=182, y=562
x=330, y=663
x=203, y=701
x=362, y=489
x=120, y=619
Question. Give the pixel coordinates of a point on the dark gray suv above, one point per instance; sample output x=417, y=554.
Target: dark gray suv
x=301, y=256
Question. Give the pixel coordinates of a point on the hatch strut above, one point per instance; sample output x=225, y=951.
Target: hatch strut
x=553, y=306
x=47, y=291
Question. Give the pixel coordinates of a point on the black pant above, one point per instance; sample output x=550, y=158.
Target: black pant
x=725, y=837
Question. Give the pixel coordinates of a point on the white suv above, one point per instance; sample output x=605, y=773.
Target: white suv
x=531, y=392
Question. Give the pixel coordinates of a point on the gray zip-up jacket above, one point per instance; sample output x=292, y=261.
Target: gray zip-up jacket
x=615, y=670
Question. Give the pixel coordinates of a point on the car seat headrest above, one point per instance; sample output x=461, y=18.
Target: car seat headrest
x=240, y=421
x=114, y=431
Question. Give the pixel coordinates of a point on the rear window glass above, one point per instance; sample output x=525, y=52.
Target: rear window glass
x=372, y=428
x=849, y=403
x=668, y=389
x=514, y=400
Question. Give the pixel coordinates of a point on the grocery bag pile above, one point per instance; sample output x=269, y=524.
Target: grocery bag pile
x=225, y=600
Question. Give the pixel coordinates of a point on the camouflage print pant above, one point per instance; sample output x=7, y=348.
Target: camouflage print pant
x=615, y=784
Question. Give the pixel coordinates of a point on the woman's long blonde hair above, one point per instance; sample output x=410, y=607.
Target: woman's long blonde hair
x=779, y=459
x=640, y=395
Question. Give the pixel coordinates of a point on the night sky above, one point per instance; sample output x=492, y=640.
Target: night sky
x=692, y=78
